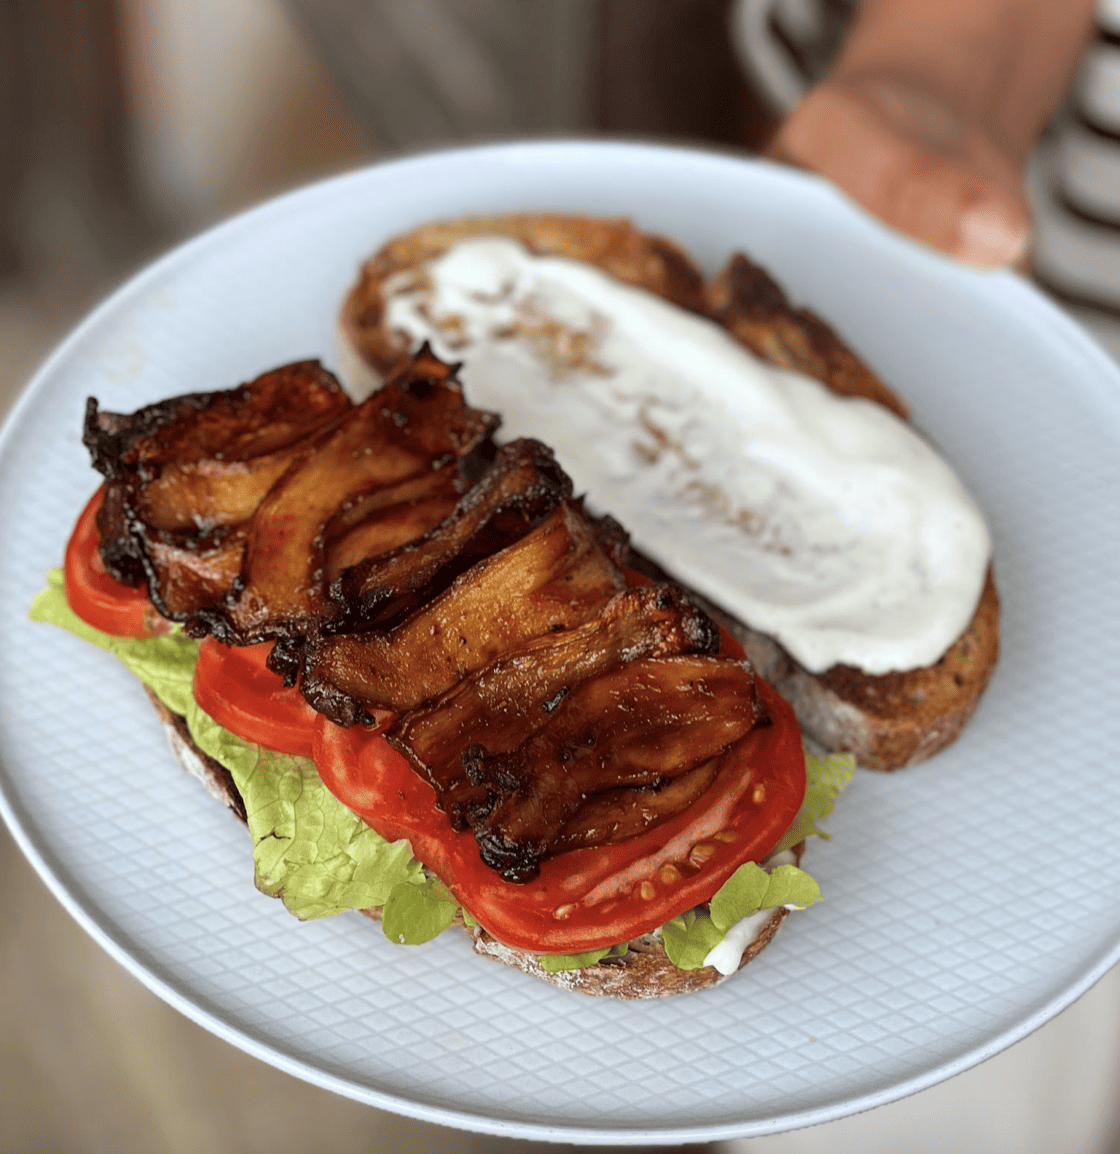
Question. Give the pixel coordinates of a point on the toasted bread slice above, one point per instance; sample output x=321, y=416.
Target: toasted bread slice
x=369, y=351
x=887, y=721
x=644, y=971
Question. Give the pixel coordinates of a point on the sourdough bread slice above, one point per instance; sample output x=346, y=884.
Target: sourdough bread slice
x=887, y=721
x=644, y=971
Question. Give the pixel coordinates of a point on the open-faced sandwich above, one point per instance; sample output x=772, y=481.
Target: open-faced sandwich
x=441, y=689
x=431, y=685
x=751, y=454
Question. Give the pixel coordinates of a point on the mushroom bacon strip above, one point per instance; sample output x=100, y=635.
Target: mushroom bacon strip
x=383, y=519
x=185, y=579
x=183, y=470
x=555, y=578
x=414, y=424
x=640, y=726
x=617, y=814
x=501, y=706
x=519, y=490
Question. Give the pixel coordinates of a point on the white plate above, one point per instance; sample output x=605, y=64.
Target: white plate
x=968, y=900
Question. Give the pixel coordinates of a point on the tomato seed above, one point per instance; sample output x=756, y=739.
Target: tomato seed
x=701, y=852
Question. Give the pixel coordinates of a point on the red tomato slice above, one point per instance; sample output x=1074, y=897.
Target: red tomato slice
x=235, y=687
x=96, y=597
x=584, y=899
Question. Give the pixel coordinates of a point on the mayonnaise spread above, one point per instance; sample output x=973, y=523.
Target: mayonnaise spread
x=728, y=955
x=826, y=522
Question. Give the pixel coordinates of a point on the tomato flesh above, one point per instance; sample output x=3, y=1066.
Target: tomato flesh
x=237, y=689
x=97, y=598
x=590, y=898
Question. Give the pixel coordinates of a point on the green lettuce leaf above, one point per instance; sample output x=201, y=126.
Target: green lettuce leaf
x=310, y=850
x=751, y=888
x=689, y=938
x=790, y=887
x=825, y=777
x=557, y=963
x=740, y=895
x=417, y=911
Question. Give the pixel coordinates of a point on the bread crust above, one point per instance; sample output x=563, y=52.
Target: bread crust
x=642, y=972
x=888, y=721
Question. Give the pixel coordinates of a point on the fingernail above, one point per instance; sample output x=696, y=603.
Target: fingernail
x=989, y=238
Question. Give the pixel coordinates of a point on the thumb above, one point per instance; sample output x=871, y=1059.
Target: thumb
x=916, y=168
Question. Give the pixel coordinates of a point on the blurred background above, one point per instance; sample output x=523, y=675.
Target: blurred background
x=128, y=125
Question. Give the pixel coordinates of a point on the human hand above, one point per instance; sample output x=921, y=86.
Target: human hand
x=932, y=110
x=908, y=156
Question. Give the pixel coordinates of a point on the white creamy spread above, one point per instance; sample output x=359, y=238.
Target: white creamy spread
x=729, y=953
x=824, y=521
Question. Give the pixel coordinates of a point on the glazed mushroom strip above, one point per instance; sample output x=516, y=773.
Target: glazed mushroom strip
x=276, y=409
x=188, y=466
x=617, y=814
x=519, y=490
x=385, y=519
x=641, y=725
x=404, y=429
x=183, y=580
x=555, y=578
x=502, y=705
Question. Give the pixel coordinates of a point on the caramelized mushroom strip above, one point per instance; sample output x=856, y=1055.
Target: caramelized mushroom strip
x=387, y=518
x=643, y=724
x=195, y=499
x=520, y=489
x=555, y=578
x=501, y=706
x=189, y=465
x=279, y=408
x=617, y=814
x=412, y=425
x=182, y=581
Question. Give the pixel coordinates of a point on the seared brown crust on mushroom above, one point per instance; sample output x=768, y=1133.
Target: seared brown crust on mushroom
x=640, y=726
x=232, y=521
x=886, y=721
x=556, y=577
x=519, y=490
x=501, y=705
x=190, y=467
x=385, y=519
x=416, y=424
